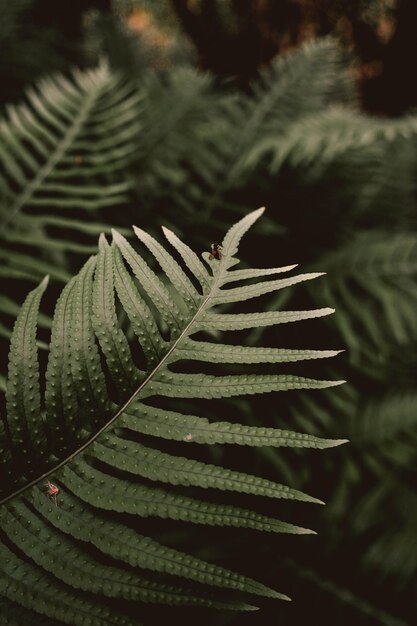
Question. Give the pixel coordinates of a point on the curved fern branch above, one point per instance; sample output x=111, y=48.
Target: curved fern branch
x=276, y=103
x=63, y=151
x=99, y=392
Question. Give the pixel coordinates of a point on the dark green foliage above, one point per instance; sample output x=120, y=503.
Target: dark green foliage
x=340, y=189
x=83, y=439
x=64, y=155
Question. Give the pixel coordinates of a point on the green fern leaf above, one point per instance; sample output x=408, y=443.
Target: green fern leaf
x=94, y=398
x=112, y=341
x=70, y=564
x=241, y=321
x=23, y=394
x=190, y=428
x=219, y=353
x=155, y=465
x=24, y=583
x=64, y=152
x=190, y=259
x=154, y=287
x=85, y=359
x=276, y=103
x=125, y=544
x=113, y=494
x=61, y=401
x=171, y=268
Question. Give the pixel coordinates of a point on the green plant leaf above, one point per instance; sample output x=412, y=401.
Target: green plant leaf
x=91, y=466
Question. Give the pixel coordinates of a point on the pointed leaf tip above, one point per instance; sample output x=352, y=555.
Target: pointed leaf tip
x=116, y=235
x=138, y=231
x=306, y=531
x=317, y=501
x=268, y=592
x=333, y=443
x=335, y=383
x=255, y=215
x=279, y=596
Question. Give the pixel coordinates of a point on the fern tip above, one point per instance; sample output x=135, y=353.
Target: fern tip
x=116, y=235
x=138, y=231
x=102, y=241
x=333, y=443
x=280, y=596
x=276, y=595
x=267, y=592
x=310, y=499
x=335, y=383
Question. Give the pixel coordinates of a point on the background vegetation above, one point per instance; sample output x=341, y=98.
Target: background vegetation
x=189, y=114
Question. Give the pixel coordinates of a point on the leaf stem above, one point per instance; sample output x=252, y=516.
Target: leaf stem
x=85, y=445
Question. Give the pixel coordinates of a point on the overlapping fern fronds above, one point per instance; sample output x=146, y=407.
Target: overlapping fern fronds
x=218, y=129
x=331, y=176
x=177, y=110
x=101, y=397
x=372, y=160
x=64, y=154
x=382, y=267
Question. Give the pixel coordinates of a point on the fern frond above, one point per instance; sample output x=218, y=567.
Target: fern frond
x=23, y=395
x=76, y=111
x=241, y=321
x=114, y=494
x=155, y=465
x=318, y=142
x=277, y=101
x=191, y=428
x=384, y=419
x=387, y=265
x=113, y=342
x=125, y=544
x=94, y=401
x=215, y=353
x=30, y=587
x=70, y=564
x=64, y=150
x=176, y=107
